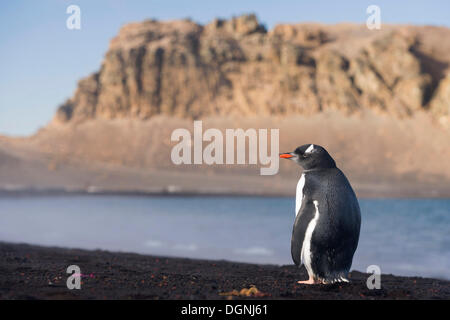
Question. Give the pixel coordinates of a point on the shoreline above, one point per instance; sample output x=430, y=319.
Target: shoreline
x=36, y=272
x=167, y=192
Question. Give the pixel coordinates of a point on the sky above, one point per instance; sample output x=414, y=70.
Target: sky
x=41, y=60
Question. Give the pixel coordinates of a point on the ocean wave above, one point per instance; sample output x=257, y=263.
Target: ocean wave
x=254, y=251
x=153, y=243
x=186, y=247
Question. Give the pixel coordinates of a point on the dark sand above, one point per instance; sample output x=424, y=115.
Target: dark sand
x=32, y=272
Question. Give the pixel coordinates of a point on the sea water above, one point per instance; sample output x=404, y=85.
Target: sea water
x=401, y=236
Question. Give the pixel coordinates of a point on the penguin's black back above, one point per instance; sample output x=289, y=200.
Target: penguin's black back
x=336, y=234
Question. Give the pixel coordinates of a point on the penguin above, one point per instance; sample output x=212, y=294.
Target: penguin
x=327, y=217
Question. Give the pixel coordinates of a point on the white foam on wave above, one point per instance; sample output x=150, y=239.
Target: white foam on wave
x=186, y=247
x=254, y=251
x=153, y=243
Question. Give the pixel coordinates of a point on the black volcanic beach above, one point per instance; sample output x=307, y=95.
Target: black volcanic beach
x=33, y=272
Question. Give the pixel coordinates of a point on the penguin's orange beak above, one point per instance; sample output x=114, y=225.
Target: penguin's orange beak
x=285, y=155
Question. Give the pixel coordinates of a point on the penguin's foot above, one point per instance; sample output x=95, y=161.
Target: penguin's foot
x=309, y=281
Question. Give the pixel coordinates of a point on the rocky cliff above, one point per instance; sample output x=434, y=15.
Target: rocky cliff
x=377, y=100
x=236, y=66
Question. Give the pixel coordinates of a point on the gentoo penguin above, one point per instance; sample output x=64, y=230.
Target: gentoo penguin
x=327, y=217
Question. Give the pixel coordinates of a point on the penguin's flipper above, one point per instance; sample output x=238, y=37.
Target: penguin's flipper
x=304, y=216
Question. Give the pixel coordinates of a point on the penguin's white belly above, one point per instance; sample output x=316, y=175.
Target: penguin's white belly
x=299, y=194
x=306, y=247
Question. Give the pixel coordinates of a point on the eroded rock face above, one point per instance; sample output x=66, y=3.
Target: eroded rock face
x=440, y=104
x=180, y=68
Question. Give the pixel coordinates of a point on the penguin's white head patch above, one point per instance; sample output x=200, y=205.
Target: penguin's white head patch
x=310, y=149
x=310, y=156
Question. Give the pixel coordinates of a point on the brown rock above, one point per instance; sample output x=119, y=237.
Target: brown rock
x=180, y=68
x=440, y=104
